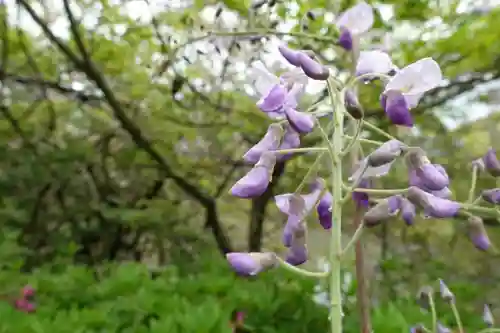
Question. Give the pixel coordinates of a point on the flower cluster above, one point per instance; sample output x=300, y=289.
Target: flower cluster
x=428, y=192
x=25, y=302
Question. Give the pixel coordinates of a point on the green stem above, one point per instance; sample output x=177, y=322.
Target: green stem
x=336, y=231
x=490, y=330
x=353, y=240
x=300, y=271
x=373, y=142
x=473, y=184
x=271, y=32
x=354, y=140
x=309, y=172
x=457, y=317
x=433, y=312
x=491, y=212
x=378, y=191
x=301, y=150
x=378, y=130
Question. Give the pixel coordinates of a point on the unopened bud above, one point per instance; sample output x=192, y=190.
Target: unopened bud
x=386, y=153
x=445, y=292
x=312, y=68
x=382, y=211
x=492, y=163
x=416, y=158
x=423, y=297
x=488, y=316
x=352, y=105
x=492, y=196
x=477, y=233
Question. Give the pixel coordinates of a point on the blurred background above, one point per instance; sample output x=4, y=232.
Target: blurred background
x=122, y=126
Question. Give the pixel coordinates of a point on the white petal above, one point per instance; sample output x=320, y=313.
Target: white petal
x=371, y=172
x=357, y=19
x=373, y=62
x=413, y=99
x=417, y=78
x=264, y=80
x=283, y=202
x=295, y=76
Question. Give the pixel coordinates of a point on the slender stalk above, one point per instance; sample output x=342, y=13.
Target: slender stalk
x=473, y=184
x=300, y=271
x=457, y=317
x=336, y=236
x=355, y=238
x=433, y=312
x=309, y=172
x=301, y=150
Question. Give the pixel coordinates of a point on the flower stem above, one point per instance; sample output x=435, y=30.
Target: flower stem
x=300, y=271
x=473, y=184
x=301, y=150
x=353, y=240
x=457, y=317
x=490, y=330
x=378, y=191
x=378, y=130
x=432, y=305
x=309, y=172
x=354, y=140
x=373, y=142
x=336, y=235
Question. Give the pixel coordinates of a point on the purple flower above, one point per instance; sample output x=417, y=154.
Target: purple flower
x=276, y=94
x=287, y=203
x=354, y=22
x=291, y=140
x=312, y=68
x=408, y=211
x=382, y=211
x=269, y=142
x=432, y=205
x=249, y=264
x=255, y=182
x=376, y=62
x=477, y=233
x=431, y=178
x=380, y=161
x=300, y=121
x=295, y=206
x=292, y=56
x=445, y=292
x=352, y=105
x=297, y=252
x=404, y=90
x=492, y=196
x=324, y=210
x=360, y=198
x=491, y=163
x=488, y=316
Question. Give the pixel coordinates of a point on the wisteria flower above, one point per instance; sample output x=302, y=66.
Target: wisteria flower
x=445, y=292
x=491, y=163
x=269, y=142
x=380, y=161
x=423, y=174
x=353, y=22
x=432, y=205
x=277, y=93
x=382, y=211
x=352, y=105
x=477, y=233
x=406, y=88
x=295, y=207
x=291, y=140
x=255, y=182
x=297, y=252
x=491, y=196
x=284, y=201
x=376, y=62
x=301, y=122
x=249, y=264
x=361, y=198
x=408, y=211
x=324, y=210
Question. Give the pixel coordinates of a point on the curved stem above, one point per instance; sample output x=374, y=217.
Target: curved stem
x=473, y=184
x=354, y=140
x=378, y=130
x=373, y=142
x=433, y=312
x=380, y=191
x=300, y=271
x=490, y=330
x=353, y=240
x=309, y=172
x=457, y=317
x=300, y=150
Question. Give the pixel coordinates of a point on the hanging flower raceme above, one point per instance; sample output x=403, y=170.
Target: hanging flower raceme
x=477, y=233
x=353, y=22
x=406, y=88
x=380, y=161
x=423, y=174
x=255, y=182
x=270, y=141
x=492, y=196
x=432, y=205
x=291, y=140
x=376, y=62
x=277, y=93
x=382, y=211
x=249, y=264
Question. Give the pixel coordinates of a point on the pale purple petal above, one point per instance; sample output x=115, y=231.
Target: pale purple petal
x=300, y=121
x=312, y=68
x=373, y=62
x=292, y=56
x=491, y=162
x=274, y=100
x=396, y=108
x=357, y=19
x=270, y=141
x=417, y=78
x=492, y=196
x=291, y=140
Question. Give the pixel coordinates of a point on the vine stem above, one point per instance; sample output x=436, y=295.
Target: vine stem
x=473, y=184
x=336, y=236
x=457, y=317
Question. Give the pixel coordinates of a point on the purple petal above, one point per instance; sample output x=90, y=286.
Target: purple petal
x=477, y=233
x=249, y=264
x=291, y=140
x=255, y=182
x=296, y=255
x=408, y=211
x=361, y=199
x=292, y=56
x=352, y=105
x=312, y=68
x=397, y=108
x=300, y=121
x=432, y=205
x=324, y=210
x=345, y=39
x=269, y=142
x=492, y=163
x=274, y=100
x=382, y=211
x=492, y=196
x=431, y=177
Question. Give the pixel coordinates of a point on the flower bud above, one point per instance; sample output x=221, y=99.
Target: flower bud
x=442, y=329
x=432, y=205
x=249, y=264
x=312, y=68
x=269, y=142
x=360, y=198
x=408, y=211
x=352, y=105
x=488, y=316
x=255, y=182
x=324, y=210
x=491, y=196
x=445, y=292
x=423, y=297
x=491, y=163
x=300, y=121
x=386, y=153
x=292, y=56
x=382, y=211
x=477, y=233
